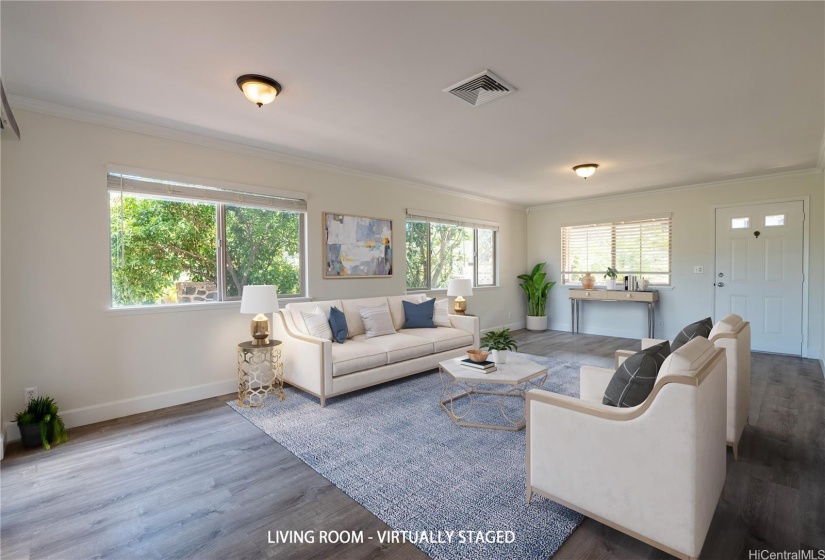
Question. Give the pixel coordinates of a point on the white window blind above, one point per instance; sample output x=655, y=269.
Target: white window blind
x=640, y=246
x=424, y=216
x=140, y=185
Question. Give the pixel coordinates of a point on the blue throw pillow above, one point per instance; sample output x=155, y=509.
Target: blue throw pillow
x=338, y=324
x=419, y=315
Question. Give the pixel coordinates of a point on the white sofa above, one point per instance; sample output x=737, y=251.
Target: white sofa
x=327, y=369
x=734, y=335
x=654, y=471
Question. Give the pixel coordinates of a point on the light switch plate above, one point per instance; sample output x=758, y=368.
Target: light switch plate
x=698, y=270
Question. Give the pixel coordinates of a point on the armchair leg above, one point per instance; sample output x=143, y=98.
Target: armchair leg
x=323, y=401
x=735, y=447
x=529, y=494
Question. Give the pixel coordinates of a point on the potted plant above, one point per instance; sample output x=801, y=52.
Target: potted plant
x=40, y=424
x=611, y=275
x=498, y=343
x=537, y=289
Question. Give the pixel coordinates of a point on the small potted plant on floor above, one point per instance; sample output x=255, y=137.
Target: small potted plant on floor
x=537, y=290
x=498, y=343
x=611, y=275
x=40, y=424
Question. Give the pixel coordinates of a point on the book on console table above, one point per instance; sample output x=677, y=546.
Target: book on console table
x=485, y=367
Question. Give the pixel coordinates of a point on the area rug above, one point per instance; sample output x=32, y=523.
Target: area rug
x=394, y=450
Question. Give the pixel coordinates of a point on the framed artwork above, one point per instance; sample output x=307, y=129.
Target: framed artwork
x=357, y=246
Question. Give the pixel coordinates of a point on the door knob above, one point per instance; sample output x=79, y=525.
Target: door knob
x=721, y=284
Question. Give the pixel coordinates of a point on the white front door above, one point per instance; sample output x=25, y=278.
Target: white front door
x=759, y=272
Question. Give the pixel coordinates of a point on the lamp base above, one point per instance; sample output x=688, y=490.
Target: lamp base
x=460, y=306
x=259, y=328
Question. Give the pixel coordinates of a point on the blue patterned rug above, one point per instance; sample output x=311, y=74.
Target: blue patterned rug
x=394, y=451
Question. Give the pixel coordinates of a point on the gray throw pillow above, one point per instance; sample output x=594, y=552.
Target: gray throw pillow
x=377, y=320
x=699, y=328
x=635, y=378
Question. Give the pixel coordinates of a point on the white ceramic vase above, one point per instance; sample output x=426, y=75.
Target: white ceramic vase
x=537, y=323
x=499, y=356
x=611, y=283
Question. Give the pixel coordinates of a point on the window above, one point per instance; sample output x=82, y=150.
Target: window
x=640, y=247
x=775, y=221
x=440, y=248
x=177, y=243
x=740, y=223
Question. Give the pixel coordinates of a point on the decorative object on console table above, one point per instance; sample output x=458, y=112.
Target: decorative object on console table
x=259, y=300
x=611, y=276
x=537, y=289
x=357, y=246
x=498, y=343
x=260, y=372
x=588, y=281
x=458, y=288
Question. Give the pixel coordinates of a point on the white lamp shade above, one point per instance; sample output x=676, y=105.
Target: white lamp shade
x=460, y=287
x=259, y=299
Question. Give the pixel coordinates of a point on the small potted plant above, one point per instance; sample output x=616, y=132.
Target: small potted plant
x=40, y=424
x=498, y=343
x=537, y=290
x=611, y=276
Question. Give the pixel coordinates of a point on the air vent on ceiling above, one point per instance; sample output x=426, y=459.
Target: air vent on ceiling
x=480, y=89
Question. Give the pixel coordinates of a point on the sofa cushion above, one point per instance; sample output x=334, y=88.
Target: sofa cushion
x=317, y=323
x=355, y=325
x=377, y=320
x=689, y=358
x=443, y=338
x=308, y=306
x=338, y=325
x=441, y=313
x=397, y=310
x=726, y=325
x=356, y=356
x=398, y=346
x=419, y=315
x=635, y=378
x=699, y=328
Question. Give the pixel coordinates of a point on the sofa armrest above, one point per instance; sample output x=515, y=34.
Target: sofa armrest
x=592, y=383
x=469, y=324
x=620, y=356
x=648, y=342
x=307, y=359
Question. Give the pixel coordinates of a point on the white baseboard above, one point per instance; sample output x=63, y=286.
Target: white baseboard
x=511, y=326
x=126, y=407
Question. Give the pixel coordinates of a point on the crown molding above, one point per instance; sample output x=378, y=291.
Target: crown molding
x=693, y=186
x=218, y=141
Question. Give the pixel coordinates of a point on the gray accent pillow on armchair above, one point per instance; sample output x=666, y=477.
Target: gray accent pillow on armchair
x=699, y=328
x=635, y=378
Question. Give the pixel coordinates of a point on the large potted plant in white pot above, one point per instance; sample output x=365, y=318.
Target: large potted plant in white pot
x=537, y=289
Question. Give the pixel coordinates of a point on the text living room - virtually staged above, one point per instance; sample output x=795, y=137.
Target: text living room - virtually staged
x=449, y=280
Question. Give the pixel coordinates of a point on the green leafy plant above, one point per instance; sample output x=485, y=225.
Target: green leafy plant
x=499, y=340
x=611, y=273
x=536, y=288
x=43, y=411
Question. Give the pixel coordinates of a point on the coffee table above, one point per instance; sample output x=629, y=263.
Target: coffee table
x=514, y=379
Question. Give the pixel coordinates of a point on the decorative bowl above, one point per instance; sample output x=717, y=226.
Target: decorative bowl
x=477, y=355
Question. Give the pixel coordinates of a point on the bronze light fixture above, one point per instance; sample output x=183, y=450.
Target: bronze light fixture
x=260, y=90
x=585, y=170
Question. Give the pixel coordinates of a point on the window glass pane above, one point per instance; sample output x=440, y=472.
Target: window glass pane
x=773, y=221
x=417, y=255
x=486, y=257
x=163, y=250
x=740, y=223
x=262, y=247
x=451, y=254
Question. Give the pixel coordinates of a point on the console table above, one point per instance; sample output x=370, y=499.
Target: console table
x=578, y=296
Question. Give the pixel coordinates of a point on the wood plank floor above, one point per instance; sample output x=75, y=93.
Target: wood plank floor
x=199, y=481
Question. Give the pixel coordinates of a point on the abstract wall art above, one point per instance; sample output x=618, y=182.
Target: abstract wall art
x=357, y=246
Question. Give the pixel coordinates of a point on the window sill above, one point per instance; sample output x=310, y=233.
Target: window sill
x=183, y=307
x=444, y=290
x=651, y=289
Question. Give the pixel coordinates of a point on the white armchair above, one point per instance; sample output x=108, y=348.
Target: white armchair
x=734, y=335
x=654, y=471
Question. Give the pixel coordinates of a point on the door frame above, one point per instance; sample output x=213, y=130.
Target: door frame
x=806, y=246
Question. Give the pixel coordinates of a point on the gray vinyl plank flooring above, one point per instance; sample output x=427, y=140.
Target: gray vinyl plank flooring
x=199, y=481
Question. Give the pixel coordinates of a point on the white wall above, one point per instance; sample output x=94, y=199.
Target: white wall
x=693, y=244
x=102, y=364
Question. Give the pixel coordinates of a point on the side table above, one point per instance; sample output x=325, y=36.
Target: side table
x=260, y=373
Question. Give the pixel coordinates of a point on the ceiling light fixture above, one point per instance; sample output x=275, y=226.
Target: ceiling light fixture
x=585, y=170
x=260, y=90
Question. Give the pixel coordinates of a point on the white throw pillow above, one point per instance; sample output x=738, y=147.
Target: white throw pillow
x=317, y=323
x=377, y=320
x=441, y=316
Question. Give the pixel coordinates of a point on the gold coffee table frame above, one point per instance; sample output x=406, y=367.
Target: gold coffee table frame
x=260, y=373
x=518, y=376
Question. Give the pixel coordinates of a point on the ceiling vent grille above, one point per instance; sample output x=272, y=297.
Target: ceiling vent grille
x=480, y=89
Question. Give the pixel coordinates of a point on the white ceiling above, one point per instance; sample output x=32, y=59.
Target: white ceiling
x=658, y=93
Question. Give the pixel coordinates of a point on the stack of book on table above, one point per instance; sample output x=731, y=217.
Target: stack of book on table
x=484, y=367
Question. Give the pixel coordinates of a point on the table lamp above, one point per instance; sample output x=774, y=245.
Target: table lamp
x=258, y=300
x=460, y=287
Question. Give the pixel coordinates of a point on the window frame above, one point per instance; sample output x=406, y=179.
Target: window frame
x=220, y=240
x=613, y=224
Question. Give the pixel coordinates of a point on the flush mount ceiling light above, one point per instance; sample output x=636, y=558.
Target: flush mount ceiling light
x=585, y=170
x=260, y=90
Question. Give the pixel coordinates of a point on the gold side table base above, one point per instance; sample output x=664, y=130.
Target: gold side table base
x=260, y=373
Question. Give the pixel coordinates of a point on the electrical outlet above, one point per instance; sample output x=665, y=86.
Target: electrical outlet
x=660, y=323
x=698, y=270
x=30, y=393
x=509, y=315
